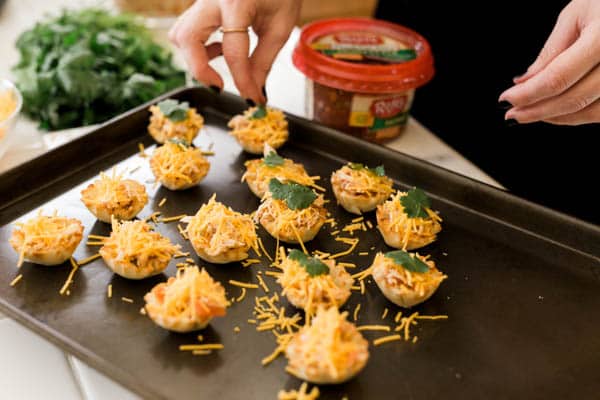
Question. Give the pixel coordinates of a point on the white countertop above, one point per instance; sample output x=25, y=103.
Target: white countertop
x=33, y=368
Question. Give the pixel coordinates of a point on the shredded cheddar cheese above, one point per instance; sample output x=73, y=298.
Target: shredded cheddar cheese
x=403, y=232
x=178, y=167
x=300, y=394
x=374, y=328
x=135, y=251
x=254, y=133
x=16, y=280
x=288, y=225
x=187, y=301
x=111, y=195
x=402, y=286
x=360, y=190
x=221, y=234
x=162, y=128
x=48, y=240
x=329, y=350
x=386, y=339
x=309, y=292
x=258, y=175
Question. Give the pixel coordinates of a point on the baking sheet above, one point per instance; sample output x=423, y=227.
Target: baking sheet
x=522, y=296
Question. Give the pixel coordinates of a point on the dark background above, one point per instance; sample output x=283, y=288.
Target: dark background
x=479, y=47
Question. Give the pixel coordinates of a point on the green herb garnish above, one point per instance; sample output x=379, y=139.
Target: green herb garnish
x=312, y=265
x=179, y=141
x=378, y=171
x=260, y=112
x=273, y=159
x=174, y=110
x=86, y=66
x=296, y=196
x=407, y=261
x=414, y=202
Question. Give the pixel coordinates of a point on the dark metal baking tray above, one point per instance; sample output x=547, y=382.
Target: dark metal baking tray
x=522, y=296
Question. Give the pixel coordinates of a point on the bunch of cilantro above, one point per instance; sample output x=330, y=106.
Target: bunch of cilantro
x=86, y=66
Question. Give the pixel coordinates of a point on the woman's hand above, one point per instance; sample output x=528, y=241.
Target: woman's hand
x=272, y=20
x=562, y=86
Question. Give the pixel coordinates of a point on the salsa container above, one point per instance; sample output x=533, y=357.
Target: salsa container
x=362, y=74
x=522, y=296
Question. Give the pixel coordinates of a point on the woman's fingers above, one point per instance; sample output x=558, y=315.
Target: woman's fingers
x=264, y=54
x=191, y=32
x=214, y=50
x=236, y=46
x=561, y=73
x=273, y=31
x=577, y=98
x=562, y=36
x=588, y=115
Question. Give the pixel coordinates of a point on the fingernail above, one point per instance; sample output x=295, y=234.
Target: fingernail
x=264, y=92
x=511, y=122
x=504, y=105
x=215, y=89
x=251, y=102
x=518, y=77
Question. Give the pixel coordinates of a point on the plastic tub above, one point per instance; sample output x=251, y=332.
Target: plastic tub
x=362, y=74
x=8, y=119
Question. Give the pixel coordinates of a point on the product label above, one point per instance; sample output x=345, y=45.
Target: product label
x=380, y=111
x=364, y=46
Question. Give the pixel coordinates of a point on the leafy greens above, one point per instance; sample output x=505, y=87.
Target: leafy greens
x=85, y=66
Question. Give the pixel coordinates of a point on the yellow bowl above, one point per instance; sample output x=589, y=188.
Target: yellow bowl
x=7, y=124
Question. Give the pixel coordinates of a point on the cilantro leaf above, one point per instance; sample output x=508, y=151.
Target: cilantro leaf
x=356, y=166
x=296, y=196
x=407, y=261
x=312, y=265
x=414, y=203
x=260, y=112
x=378, y=171
x=174, y=110
x=179, y=141
x=272, y=159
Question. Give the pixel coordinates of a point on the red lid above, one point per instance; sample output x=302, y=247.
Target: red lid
x=357, y=77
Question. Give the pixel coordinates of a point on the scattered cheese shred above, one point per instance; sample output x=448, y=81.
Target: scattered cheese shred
x=300, y=394
x=353, y=242
x=386, y=339
x=109, y=291
x=162, y=202
x=262, y=247
x=398, y=316
x=141, y=149
x=250, y=261
x=356, y=310
x=67, y=283
x=126, y=300
x=207, y=346
x=385, y=313
x=16, y=280
x=243, y=284
x=374, y=328
x=97, y=237
x=262, y=283
x=242, y=295
x=171, y=219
